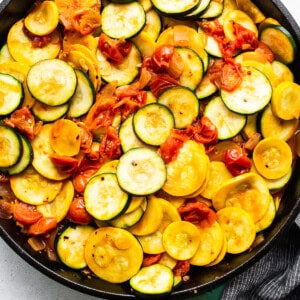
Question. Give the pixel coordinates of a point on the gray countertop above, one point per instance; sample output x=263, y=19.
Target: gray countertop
x=19, y=280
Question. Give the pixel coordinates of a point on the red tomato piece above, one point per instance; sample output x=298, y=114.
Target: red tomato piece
x=42, y=226
x=236, y=161
x=182, y=268
x=77, y=212
x=26, y=214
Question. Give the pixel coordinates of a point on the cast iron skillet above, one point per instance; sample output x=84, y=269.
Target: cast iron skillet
x=202, y=279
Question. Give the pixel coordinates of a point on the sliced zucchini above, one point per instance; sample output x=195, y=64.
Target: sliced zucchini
x=32, y=188
x=103, y=197
x=281, y=72
x=25, y=159
x=52, y=81
x=128, y=137
x=152, y=280
x=124, y=73
x=153, y=24
x=49, y=113
x=228, y=123
x=252, y=95
x=5, y=55
x=129, y=219
x=248, y=191
x=272, y=126
x=151, y=219
x=280, y=41
x=181, y=239
x=113, y=254
x=175, y=8
x=193, y=68
x=196, y=13
x=70, y=245
x=272, y=157
x=123, y=21
x=214, y=9
x=268, y=218
x=42, y=152
x=238, y=227
x=210, y=246
x=84, y=96
x=21, y=49
x=152, y=123
x=285, y=102
x=11, y=94
x=141, y=171
x=10, y=147
x=59, y=207
x=43, y=19
x=206, y=88
x=183, y=103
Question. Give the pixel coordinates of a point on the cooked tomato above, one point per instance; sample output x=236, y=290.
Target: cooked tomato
x=150, y=259
x=245, y=39
x=161, y=58
x=161, y=82
x=81, y=178
x=204, y=131
x=23, y=120
x=77, y=212
x=85, y=20
x=197, y=212
x=42, y=226
x=110, y=145
x=181, y=268
x=26, y=214
x=265, y=51
x=225, y=74
x=36, y=40
x=65, y=163
x=219, y=150
x=115, y=50
x=237, y=161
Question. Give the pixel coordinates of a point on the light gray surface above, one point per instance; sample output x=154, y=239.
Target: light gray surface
x=19, y=280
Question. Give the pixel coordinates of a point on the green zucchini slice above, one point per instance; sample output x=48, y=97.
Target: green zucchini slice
x=10, y=147
x=153, y=280
x=103, y=197
x=11, y=94
x=123, y=21
x=152, y=123
x=177, y=8
x=124, y=73
x=84, y=96
x=252, y=95
x=49, y=113
x=229, y=123
x=183, y=103
x=52, y=81
x=25, y=159
x=141, y=171
x=70, y=245
x=280, y=41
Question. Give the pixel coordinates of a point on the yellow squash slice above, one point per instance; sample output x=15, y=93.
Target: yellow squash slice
x=43, y=19
x=59, y=207
x=113, y=254
x=32, y=188
x=268, y=218
x=187, y=173
x=22, y=50
x=181, y=239
x=285, y=101
x=210, y=246
x=247, y=191
x=272, y=157
x=151, y=219
x=41, y=155
x=238, y=227
x=65, y=137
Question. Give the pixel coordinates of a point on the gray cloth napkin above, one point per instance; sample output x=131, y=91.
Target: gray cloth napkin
x=275, y=276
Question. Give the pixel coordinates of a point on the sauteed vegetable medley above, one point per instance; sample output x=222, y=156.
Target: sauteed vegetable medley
x=140, y=139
